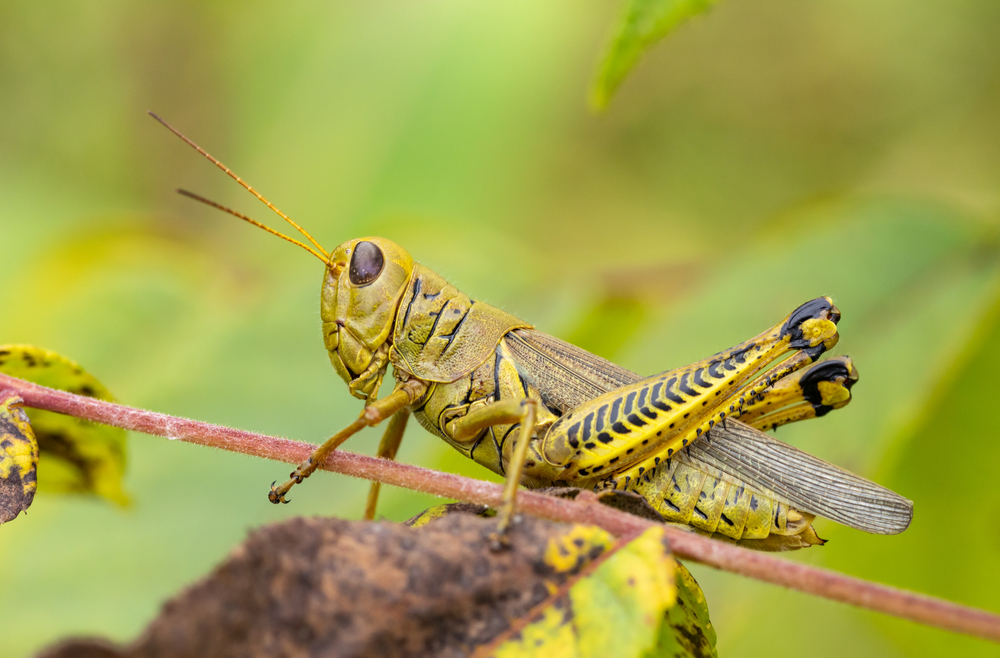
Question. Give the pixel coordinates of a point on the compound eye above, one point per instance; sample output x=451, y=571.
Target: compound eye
x=366, y=263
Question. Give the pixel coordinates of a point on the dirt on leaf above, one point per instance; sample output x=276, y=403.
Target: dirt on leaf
x=330, y=587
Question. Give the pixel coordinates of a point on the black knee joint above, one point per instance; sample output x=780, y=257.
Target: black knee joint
x=821, y=308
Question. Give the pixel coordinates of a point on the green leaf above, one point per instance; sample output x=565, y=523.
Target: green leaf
x=18, y=459
x=643, y=24
x=637, y=603
x=76, y=456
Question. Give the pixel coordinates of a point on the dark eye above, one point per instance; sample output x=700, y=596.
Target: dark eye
x=366, y=263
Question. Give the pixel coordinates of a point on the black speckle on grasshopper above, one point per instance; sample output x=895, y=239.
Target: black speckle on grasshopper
x=543, y=412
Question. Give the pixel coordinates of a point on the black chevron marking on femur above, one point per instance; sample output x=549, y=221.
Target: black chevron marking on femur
x=635, y=420
x=585, y=434
x=571, y=435
x=599, y=423
x=615, y=409
x=629, y=401
x=713, y=369
x=669, y=393
x=684, y=388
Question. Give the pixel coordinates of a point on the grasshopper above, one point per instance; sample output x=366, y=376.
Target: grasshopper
x=542, y=412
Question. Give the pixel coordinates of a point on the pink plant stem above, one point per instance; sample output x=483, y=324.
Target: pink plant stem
x=585, y=509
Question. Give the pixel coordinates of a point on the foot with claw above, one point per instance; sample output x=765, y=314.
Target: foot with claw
x=301, y=472
x=275, y=496
x=405, y=394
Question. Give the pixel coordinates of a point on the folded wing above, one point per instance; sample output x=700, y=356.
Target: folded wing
x=569, y=376
x=808, y=483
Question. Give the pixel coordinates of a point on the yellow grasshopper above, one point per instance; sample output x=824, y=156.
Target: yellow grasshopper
x=543, y=412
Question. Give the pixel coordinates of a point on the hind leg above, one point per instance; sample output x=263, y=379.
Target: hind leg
x=810, y=393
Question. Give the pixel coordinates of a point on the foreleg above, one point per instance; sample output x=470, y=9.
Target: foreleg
x=405, y=394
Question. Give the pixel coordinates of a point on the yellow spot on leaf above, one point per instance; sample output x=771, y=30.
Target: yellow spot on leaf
x=550, y=636
x=570, y=551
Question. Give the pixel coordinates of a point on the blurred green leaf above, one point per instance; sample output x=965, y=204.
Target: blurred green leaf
x=609, y=325
x=914, y=283
x=76, y=456
x=643, y=24
x=948, y=462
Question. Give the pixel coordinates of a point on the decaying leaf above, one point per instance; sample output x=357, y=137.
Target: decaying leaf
x=329, y=587
x=643, y=24
x=615, y=609
x=628, y=606
x=18, y=458
x=688, y=631
x=75, y=455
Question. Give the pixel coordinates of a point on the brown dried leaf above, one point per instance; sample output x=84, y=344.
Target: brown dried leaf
x=329, y=587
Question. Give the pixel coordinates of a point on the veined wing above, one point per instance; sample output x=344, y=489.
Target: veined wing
x=808, y=483
x=568, y=376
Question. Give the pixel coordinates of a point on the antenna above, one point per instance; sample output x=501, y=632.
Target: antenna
x=209, y=202
x=326, y=255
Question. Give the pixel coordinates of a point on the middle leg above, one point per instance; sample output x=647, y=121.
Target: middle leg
x=387, y=449
x=502, y=412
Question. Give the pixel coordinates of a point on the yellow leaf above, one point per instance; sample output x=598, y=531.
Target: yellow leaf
x=688, y=631
x=76, y=456
x=639, y=603
x=18, y=459
x=441, y=511
x=619, y=609
x=552, y=636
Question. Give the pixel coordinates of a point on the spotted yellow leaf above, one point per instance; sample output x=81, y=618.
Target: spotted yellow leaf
x=76, y=455
x=639, y=603
x=18, y=458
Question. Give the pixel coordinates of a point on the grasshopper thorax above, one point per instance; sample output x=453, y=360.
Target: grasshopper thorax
x=363, y=284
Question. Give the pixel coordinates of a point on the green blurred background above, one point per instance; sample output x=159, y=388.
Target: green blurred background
x=769, y=152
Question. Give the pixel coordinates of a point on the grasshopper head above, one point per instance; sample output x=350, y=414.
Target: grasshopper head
x=362, y=286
